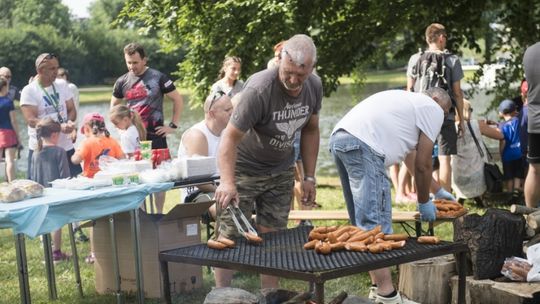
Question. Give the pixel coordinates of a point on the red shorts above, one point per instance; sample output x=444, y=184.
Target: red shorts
x=8, y=138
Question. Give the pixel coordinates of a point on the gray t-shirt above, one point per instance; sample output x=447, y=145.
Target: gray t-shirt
x=532, y=74
x=452, y=73
x=144, y=94
x=49, y=164
x=270, y=117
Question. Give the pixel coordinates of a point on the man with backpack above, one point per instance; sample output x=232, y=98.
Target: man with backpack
x=436, y=67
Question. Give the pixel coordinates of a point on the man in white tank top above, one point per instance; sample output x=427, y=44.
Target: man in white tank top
x=203, y=138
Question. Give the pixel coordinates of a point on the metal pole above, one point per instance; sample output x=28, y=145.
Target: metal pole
x=75, y=257
x=136, y=233
x=116, y=270
x=462, y=280
x=22, y=267
x=49, y=265
x=319, y=293
x=166, y=282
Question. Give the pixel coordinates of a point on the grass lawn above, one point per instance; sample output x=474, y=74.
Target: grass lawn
x=329, y=195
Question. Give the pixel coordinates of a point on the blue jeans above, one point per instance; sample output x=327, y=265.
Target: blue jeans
x=366, y=188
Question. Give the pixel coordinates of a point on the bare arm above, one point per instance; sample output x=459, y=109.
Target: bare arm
x=71, y=110
x=422, y=167
x=196, y=144
x=178, y=106
x=76, y=158
x=410, y=83
x=30, y=114
x=458, y=95
x=409, y=162
x=488, y=131
x=226, y=190
x=309, y=147
x=115, y=101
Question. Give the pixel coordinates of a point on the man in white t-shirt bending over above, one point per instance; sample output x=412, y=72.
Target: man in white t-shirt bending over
x=377, y=133
x=204, y=137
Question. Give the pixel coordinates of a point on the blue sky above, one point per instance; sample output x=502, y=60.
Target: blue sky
x=78, y=8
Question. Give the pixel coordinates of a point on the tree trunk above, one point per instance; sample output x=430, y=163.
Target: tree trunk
x=519, y=209
x=533, y=220
x=491, y=238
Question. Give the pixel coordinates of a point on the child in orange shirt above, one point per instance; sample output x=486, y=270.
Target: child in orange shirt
x=97, y=143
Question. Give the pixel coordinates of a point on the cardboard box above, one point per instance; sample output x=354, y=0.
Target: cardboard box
x=178, y=228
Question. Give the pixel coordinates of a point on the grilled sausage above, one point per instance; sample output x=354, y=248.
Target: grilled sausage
x=337, y=246
x=216, y=245
x=310, y=245
x=252, y=238
x=229, y=243
x=356, y=246
x=375, y=248
x=325, y=248
x=395, y=237
x=429, y=240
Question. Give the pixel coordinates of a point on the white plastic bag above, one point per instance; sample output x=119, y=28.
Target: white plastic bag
x=533, y=256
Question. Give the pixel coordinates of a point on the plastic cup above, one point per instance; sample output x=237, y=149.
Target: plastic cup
x=146, y=145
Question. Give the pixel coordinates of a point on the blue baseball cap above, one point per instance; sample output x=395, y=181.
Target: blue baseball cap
x=507, y=106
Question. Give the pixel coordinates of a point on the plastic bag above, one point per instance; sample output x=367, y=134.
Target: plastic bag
x=533, y=256
x=30, y=187
x=516, y=269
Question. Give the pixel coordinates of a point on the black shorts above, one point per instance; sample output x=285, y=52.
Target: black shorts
x=513, y=169
x=158, y=142
x=447, y=139
x=534, y=148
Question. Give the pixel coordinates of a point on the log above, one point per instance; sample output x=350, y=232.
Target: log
x=531, y=232
x=519, y=209
x=533, y=220
x=533, y=241
x=433, y=272
x=491, y=238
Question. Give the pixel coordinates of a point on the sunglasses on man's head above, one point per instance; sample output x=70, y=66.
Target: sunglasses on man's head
x=217, y=95
x=49, y=56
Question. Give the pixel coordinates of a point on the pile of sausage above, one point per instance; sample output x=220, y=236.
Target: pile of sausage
x=223, y=243
x=447, y=209
x=325, y=240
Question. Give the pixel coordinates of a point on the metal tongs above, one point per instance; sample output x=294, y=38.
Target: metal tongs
x=235, y=213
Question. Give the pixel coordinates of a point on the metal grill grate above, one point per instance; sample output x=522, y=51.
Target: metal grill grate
x=284, y=250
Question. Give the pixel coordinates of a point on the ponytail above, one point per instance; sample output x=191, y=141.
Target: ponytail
x=136, y=120
x=123, y=111
x=45, y=128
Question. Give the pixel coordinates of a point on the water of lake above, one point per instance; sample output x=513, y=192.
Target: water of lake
x=334, y=107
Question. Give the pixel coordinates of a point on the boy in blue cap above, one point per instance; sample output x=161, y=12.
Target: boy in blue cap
x=510, y=146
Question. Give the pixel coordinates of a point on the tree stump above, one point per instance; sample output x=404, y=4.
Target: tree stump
x=491, y=238
x=434, y=272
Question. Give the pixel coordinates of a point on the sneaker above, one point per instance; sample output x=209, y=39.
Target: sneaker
x=372, y=293
x=397, y=299
x=90, y=259
x=80, y=236
x=59, y=256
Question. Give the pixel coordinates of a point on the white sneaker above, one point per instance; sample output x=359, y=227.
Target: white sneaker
x=397, y=299
x=372, y=293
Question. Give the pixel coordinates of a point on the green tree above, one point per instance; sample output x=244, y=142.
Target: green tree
x=39, y=12
x=348, y=33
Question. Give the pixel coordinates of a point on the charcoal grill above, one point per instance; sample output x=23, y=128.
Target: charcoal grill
x=282, y=254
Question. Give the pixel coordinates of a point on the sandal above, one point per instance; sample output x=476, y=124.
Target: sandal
x=90, y=259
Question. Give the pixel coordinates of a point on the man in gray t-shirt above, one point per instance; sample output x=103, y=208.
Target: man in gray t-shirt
x=256, y=159
x=532, y=74
x=447, y=141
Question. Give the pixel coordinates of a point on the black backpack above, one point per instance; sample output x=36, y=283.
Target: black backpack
x=429, y=71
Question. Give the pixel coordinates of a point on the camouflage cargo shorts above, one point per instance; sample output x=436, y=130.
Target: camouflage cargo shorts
x=270, y=196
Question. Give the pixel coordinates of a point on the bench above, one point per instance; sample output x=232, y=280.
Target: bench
x=405, y=218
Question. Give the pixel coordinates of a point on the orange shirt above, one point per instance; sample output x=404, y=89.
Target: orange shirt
x=92, y=148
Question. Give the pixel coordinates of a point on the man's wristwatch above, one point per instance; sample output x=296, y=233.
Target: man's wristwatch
x=310, y=179
x=172, y=125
